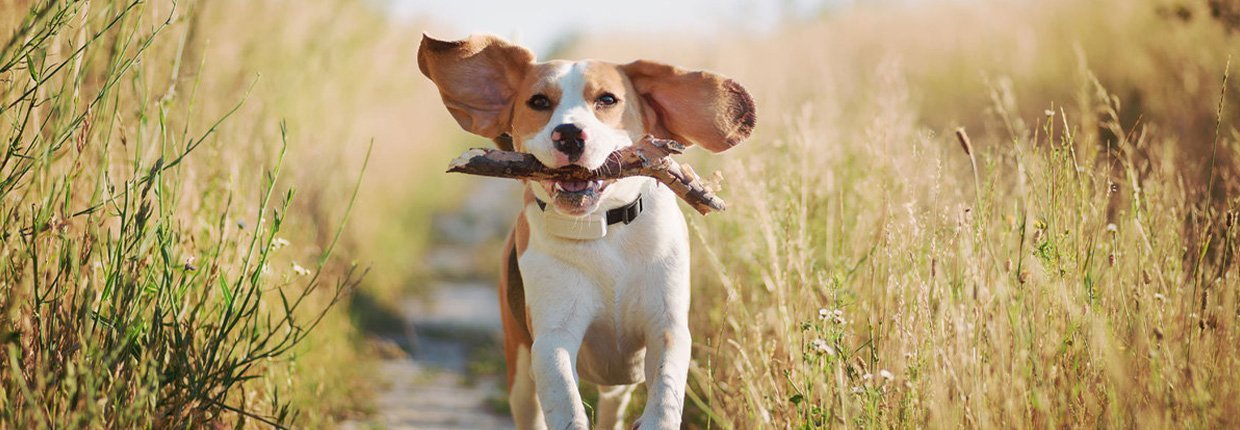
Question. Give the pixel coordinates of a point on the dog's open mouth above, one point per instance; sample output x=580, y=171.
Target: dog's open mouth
x=575, y=197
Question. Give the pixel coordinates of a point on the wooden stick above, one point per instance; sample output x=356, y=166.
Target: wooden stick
x=647, y=157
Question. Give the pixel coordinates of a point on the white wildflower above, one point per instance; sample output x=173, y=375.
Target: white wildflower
x=301, y=271
x=278, y=243
x=1112, y=228
x=885, y=374
x=823, y=313
x=822, y=347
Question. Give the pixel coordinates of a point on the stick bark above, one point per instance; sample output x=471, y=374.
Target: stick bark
x=646, y=157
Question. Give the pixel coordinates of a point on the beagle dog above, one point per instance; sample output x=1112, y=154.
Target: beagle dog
x=596, y=273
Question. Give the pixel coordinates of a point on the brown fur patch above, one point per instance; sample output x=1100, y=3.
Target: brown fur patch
x=477, y=78
x=694, y=107
x=512, y=298
x=741, y=110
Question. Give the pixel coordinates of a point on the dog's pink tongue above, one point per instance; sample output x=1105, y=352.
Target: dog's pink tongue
x=574, y=186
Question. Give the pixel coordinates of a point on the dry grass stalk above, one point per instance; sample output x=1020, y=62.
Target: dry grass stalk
x=968, y=150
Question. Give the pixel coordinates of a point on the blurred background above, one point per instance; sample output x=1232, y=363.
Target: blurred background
x=1070, y=266
x=546, y=25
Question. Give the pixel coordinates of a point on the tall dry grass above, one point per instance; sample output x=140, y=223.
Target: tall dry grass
x=1074, y=269
x=175, y=178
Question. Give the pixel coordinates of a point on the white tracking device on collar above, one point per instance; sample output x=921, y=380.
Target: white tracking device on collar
x=592, y=226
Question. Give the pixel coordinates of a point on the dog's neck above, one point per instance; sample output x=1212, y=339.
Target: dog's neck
x=624, y=205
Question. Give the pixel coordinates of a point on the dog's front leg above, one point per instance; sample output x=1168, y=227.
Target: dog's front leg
x=559, y=301
x=554, y=358
x=667, y=347
x=667, y=369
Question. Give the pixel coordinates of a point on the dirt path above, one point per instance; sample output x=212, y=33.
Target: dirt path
x=433, y=387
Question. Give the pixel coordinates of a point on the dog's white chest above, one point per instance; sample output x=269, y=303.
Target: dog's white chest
x=618, y=298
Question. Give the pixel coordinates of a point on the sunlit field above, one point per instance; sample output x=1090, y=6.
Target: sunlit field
x=183, y=200
x=950, y=215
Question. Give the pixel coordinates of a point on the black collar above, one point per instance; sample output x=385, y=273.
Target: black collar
x=625, y=214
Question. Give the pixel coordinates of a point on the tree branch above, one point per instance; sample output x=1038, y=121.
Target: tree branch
x=647, y=157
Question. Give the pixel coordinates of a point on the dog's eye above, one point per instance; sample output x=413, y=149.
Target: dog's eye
x=606, y=100
x=539, y=102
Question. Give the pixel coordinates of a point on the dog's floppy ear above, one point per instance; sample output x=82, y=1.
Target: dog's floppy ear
x=477, y=78
x=693, y=107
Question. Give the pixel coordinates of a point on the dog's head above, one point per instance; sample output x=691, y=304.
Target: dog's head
x=567, y=113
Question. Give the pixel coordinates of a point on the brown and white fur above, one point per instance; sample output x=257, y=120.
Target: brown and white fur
x=611, y=311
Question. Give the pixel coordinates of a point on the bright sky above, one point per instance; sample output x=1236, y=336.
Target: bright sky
x=538, y=23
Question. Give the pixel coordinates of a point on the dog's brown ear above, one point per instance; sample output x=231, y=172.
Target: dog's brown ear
x=693, y=107
x=477, y=78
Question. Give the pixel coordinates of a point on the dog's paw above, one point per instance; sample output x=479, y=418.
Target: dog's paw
x=653, y=423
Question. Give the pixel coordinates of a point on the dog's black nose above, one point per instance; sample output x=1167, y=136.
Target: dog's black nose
x=569, y=139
